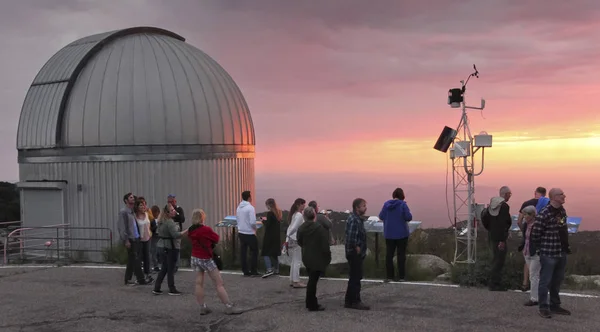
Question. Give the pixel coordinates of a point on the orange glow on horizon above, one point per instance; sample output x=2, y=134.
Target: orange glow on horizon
x=417, y=156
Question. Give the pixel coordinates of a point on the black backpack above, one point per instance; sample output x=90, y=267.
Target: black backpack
x=485, y=218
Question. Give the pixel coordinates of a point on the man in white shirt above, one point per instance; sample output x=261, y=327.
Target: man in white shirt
x=246, y=224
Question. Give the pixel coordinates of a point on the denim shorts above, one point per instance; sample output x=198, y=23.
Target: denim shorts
x=203, y=265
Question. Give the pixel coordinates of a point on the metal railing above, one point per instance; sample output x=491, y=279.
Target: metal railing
x=64, y=241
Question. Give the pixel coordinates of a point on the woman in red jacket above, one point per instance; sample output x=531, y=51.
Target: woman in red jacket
x=203, y=240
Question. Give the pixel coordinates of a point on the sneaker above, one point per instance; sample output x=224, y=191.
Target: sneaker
x=231, y=309
x=268, y=274
x=142, y=282
x=545, y=313
x=149, y=279
x=560, y=311
x=530, y=303
x=156, y=269
x=157, y=292
x=129, y=283
x=204, y=310
x=317, y=308
x=175, y=293
x=357, y=306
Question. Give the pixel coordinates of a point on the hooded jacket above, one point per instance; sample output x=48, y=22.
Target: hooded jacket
x=203, y=239
x=314, y=240
x=246, y=218
x=497, y=220
x=395, y=215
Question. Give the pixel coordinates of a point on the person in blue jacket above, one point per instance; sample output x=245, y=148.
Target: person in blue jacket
x=395, y=216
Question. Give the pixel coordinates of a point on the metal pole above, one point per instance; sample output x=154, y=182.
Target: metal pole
x=377, y=249
x=57, y=246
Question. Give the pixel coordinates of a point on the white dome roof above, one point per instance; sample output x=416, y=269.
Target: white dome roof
x=135, y=87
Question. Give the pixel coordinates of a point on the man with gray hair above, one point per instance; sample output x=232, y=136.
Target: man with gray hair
x=497, y=221
x=550, y=239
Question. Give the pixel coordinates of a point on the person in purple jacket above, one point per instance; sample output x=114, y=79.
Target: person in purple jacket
x=395, y=216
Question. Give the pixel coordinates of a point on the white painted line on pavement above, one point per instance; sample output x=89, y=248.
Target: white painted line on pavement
x=431, y=284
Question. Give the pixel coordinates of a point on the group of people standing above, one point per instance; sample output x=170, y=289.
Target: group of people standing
x=138, y=226
x=308, y=239
x=153, y=236
x=545, y=246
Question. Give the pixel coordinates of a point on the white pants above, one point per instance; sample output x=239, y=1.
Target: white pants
x=533, y=262
x=296, y=255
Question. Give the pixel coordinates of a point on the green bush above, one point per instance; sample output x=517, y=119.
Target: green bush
x=478, y=274
x=116, y=254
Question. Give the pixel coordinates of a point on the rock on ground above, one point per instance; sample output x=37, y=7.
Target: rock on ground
x=338, y=256
x=429, y=262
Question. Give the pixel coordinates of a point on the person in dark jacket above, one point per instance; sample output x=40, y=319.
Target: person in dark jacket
x=356, y=251
x=395, y=215
x=316, y=254
x=497, y=220
x=271, y=248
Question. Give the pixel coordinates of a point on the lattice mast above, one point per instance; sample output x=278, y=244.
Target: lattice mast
x=462, y=154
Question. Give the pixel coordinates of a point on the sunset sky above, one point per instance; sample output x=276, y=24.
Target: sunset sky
x=352, y=91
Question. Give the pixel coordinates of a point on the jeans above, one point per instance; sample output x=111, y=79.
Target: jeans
x=133, y=261
x=154, y=257
x=295, y=253
x=169, y=257
x=499, y=256
x=533, y=262
x=399, y=247
x=145, y=256
x=311, y=289
x=272, y=263
x=355, y=262
x=552, y=273
x=249, y=241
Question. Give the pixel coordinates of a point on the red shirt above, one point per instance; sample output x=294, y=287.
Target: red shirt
x=202, y=238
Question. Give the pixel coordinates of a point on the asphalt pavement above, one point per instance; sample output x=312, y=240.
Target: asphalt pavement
x=94, y=299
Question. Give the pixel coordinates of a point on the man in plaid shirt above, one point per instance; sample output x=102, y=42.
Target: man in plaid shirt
x=550, y=239
x=356, y=250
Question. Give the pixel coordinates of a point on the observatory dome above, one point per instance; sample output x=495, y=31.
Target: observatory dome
x=132, y=91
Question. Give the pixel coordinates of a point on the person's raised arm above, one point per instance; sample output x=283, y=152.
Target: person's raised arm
x=407, y=215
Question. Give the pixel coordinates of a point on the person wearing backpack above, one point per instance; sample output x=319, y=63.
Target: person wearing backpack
x=169, y=246
x=497, y=220
x=203, y=240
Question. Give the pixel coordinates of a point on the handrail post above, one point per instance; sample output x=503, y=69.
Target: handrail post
x=57, y=246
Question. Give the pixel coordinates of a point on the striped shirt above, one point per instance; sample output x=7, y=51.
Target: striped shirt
x=550, y=232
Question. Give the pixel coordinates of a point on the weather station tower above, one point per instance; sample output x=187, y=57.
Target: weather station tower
x=463, y=147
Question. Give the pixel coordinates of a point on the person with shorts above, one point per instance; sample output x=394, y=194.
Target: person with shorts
x=203, y=240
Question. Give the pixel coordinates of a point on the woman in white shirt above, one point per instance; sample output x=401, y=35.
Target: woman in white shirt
x=143, y=222
x=295, y=219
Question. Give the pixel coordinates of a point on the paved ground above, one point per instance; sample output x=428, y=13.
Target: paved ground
x=86, y=299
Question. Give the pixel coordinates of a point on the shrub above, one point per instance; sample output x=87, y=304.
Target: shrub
x=116, y=254
x=478, y=274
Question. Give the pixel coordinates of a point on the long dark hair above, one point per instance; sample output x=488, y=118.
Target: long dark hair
x=294, y=208
x=272, y=205
x=136, y=206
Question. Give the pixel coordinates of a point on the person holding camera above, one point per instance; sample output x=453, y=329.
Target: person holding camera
x=203, y=260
